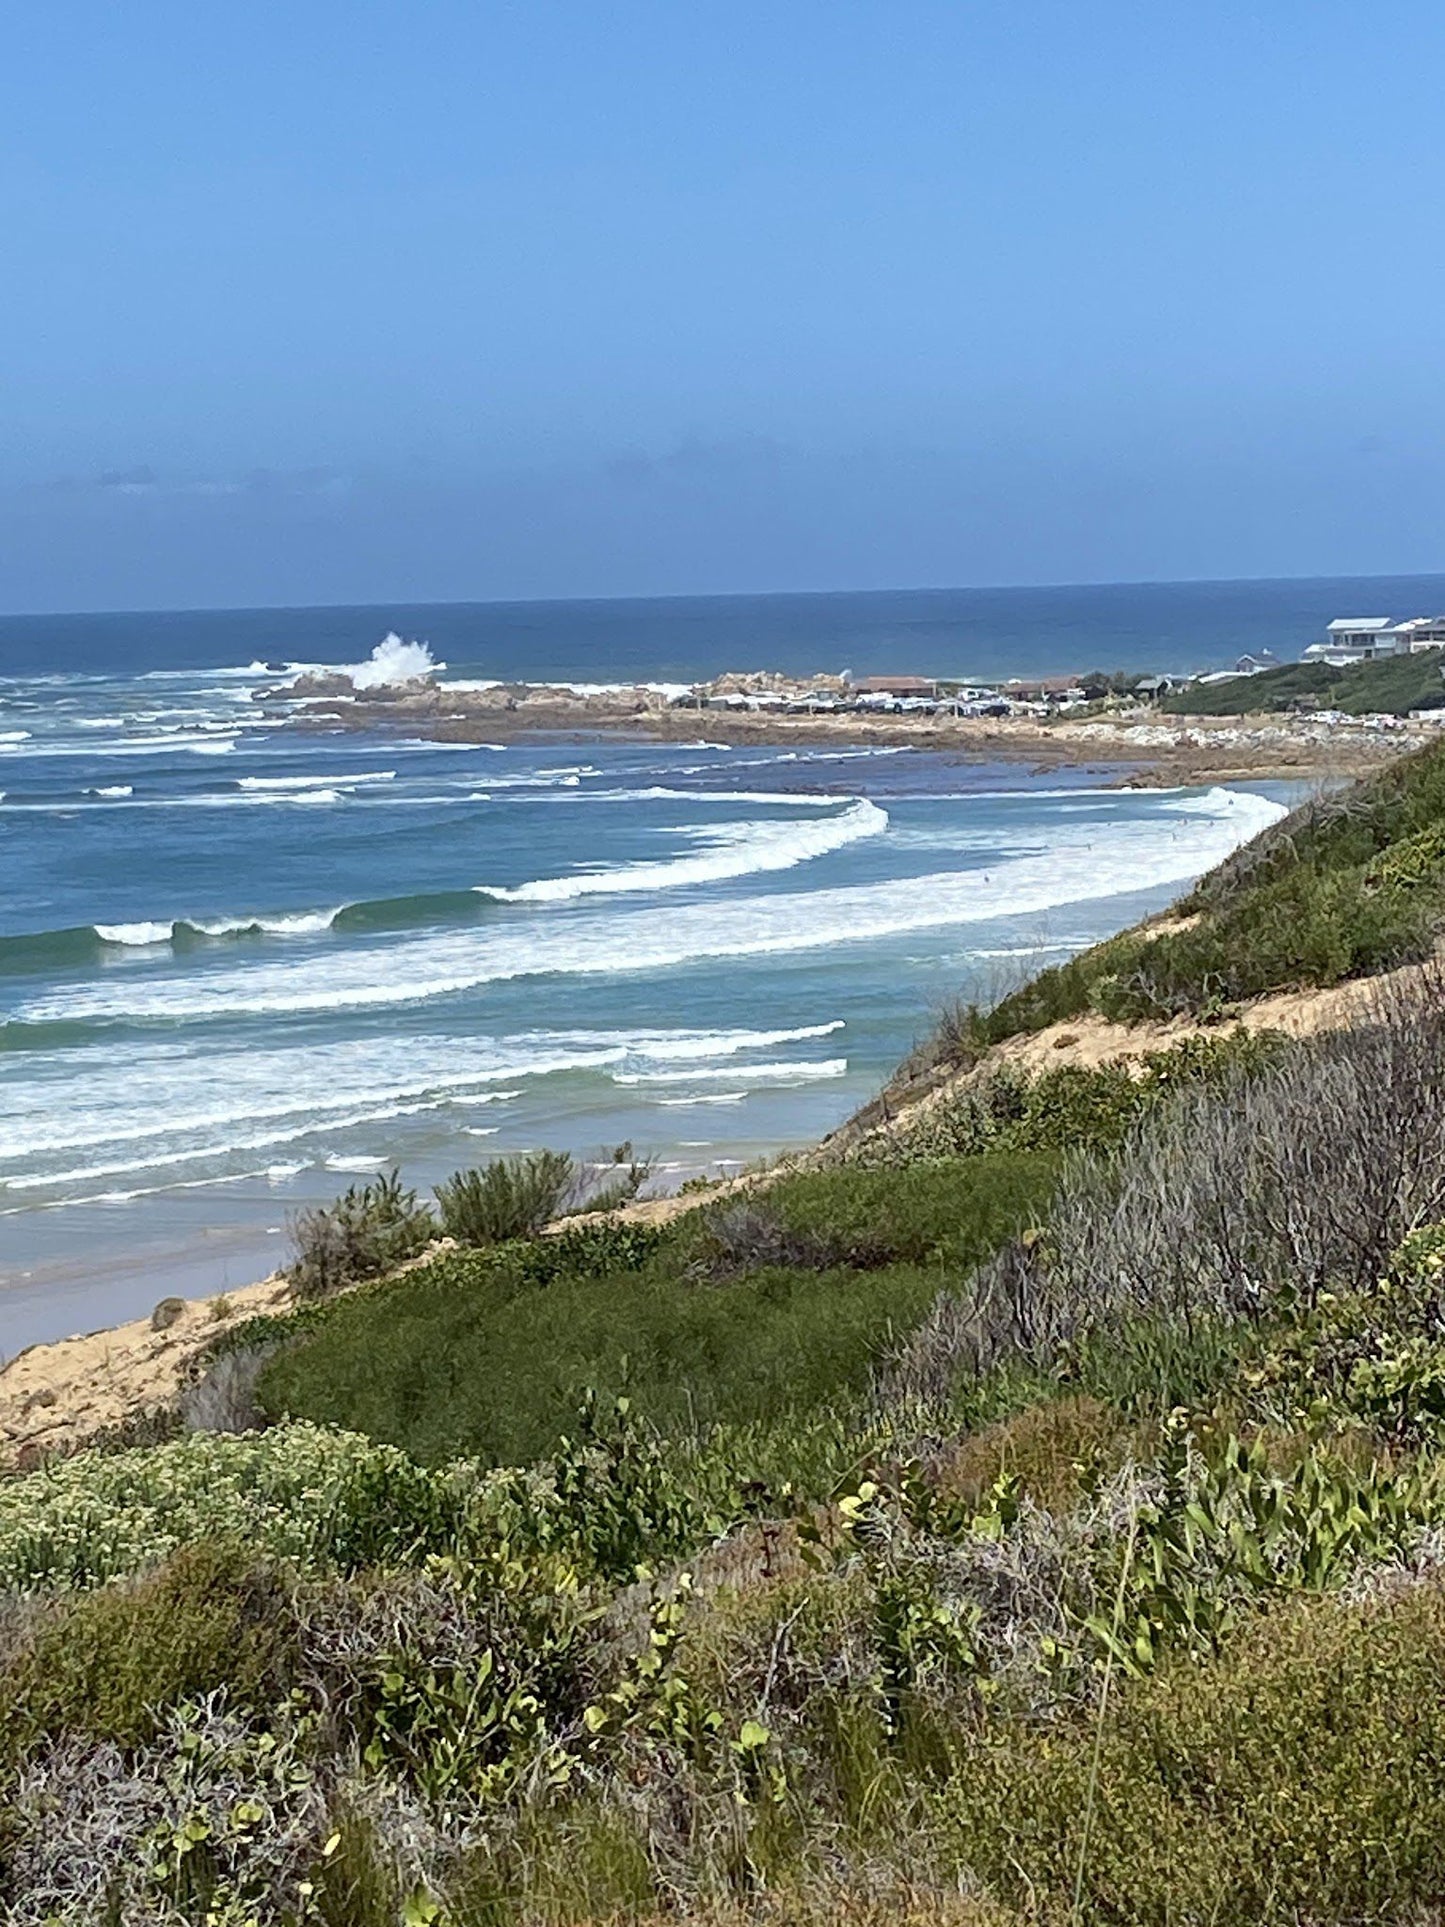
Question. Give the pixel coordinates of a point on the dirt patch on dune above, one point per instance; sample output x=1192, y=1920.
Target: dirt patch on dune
x=53, y=1397
x=1091, y=1041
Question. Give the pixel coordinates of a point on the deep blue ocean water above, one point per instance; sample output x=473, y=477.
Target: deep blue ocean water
x=1169, y=626
x=242, y=965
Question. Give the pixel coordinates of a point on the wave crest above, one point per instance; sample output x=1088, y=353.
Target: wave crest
x=737, y=850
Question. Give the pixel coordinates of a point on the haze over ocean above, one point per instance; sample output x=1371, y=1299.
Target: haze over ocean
x=241, y=965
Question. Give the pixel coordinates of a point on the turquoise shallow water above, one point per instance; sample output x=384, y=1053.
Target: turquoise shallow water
x=241, y=965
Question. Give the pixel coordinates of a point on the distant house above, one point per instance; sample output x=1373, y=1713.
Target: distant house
x=1351, y=639
x=1256, y=665
x=1421, y=632
x=902, y=687
x=1153, y=687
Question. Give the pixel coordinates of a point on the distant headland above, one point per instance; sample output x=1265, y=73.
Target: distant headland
x=1346, y=706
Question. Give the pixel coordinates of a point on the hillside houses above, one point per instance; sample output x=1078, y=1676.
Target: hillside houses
x=1351, y=639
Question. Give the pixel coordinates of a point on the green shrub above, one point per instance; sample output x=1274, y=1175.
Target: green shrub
x=1304, y=927
x=458, y=1357
x=1412, y=863
x=1373, y=1356
x=104, y=1663
x=1071, y=1107
x=1347, y=884
x=370, y=1230
x=1391, y=686
x=1050, y=1449
x=951, y=1210
x=510, y=1198
x=1300, y=1776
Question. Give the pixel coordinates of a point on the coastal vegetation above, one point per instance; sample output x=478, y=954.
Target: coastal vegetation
x=1353, y=883
x=1033, y=1513
x=1392, y=686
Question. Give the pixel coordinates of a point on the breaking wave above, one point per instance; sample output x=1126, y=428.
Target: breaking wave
x=393, y=663
x=738, y=850
x=1169, y=846
x=235, y=1102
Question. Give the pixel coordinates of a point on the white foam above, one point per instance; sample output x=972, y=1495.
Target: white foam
x=159, y=1160
x=800, y=1073
x=133, y=933
x=300, y=923
x=745, y=849
x=313, y=782
x=124, y=746
x=159, y=1106
x=394, y=663
x=659, y=792
x=356, y=1165
x=666, y=1048
x=721, y=1097
x=1084, y=863
x=112, y=789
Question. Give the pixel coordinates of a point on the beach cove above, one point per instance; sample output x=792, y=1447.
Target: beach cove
x=252, y=954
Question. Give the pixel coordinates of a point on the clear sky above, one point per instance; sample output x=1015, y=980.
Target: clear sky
x=335, y=300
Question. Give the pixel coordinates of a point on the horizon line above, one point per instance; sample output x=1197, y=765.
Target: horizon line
x=718, y=595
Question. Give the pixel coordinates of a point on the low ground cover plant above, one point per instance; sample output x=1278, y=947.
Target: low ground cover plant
x=720, y=1323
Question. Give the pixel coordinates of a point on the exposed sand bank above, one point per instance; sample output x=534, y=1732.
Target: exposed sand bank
x=1090, y=1040
x=53, y=1397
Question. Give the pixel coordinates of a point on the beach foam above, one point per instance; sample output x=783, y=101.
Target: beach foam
x=314, y=782
x=1083, y=863
x=744, y=849
x=799, y=1073
x=156, y=1106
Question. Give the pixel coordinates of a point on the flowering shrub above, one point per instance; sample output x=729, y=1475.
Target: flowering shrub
x=324, y=1498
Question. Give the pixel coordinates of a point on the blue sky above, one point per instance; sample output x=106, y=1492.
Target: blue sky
x=317, y=301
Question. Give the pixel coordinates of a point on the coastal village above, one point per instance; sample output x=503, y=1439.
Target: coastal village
x=1348, y=641
x=1365, y=690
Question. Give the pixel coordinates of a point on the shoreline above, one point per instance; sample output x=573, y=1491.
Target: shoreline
x=1136, y=748
x=56, y=1393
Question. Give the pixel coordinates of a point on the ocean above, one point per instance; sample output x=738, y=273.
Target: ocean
x=244, y=964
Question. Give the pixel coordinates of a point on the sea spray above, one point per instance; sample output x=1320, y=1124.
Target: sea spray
x=393, y=663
